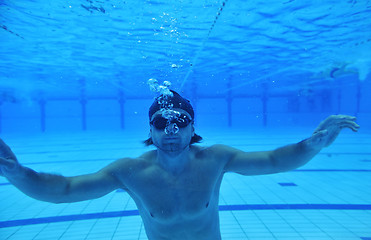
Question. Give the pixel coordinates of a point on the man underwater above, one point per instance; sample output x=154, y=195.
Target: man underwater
x=175, y=187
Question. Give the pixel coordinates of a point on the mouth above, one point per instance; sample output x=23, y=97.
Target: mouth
x=170, y=138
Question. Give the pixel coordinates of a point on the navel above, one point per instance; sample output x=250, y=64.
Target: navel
x=207, y=204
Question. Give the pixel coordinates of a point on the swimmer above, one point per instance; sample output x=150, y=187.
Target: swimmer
x=176, y=186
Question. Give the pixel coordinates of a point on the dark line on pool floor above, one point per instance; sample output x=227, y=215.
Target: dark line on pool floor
x=331, y=170
x=296, y=170
x=77, y=217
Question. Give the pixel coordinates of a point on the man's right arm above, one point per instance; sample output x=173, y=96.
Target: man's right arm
x=55, y=188
x=59, y=189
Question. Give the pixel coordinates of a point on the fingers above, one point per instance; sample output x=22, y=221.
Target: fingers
x=350, y=124
x=342, y=118
x=339, y=118
x=3, y=144
x=5, y=151
x=345, y=117
x=344, y=121
x=334, y=120
x=8, y=167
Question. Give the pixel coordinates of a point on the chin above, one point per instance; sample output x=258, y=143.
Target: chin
x=173, y=147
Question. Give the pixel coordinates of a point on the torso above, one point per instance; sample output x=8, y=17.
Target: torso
x=181, y=206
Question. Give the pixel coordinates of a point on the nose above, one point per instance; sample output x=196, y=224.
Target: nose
x=172, y=128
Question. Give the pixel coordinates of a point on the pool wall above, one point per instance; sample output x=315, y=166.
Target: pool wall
x=240, y=108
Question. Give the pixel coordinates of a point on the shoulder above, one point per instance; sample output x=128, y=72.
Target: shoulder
x=217, y=151
x=223, y=150
x=208, y=149
x=123, y=165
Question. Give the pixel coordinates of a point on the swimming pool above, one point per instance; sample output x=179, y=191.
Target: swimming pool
x=326, y=199
x=74, y=97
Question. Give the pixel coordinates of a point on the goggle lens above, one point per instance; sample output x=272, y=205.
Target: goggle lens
x=181, y=121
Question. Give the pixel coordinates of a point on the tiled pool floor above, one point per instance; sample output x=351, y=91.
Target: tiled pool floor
x=329, y=198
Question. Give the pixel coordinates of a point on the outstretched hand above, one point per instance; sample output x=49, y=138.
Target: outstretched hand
x=8, y=161
x=329, y=129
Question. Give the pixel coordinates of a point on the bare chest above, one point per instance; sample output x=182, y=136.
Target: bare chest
x=163, y=196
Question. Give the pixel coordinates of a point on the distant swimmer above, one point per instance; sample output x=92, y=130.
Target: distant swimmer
x=176, y=186
x=360, y=67
x=334, y=72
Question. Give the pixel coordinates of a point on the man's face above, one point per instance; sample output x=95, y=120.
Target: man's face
x=172, y=141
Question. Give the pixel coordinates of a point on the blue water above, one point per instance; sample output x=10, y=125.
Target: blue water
x=60, y=58
x=260, y=74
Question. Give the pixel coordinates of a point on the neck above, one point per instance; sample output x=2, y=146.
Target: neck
x=173, y=162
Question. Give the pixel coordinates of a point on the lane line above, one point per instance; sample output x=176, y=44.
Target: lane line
x=78, y=217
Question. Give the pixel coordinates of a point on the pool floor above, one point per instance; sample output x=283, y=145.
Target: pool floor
x=329, y=198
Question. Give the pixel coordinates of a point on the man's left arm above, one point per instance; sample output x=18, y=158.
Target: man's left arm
x=291, y=156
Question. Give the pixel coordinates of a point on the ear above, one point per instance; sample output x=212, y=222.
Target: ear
x=193, y=130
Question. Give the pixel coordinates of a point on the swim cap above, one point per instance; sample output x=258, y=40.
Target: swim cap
x=169, y=102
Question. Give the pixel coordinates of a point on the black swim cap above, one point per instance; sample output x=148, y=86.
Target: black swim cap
x=175, y=101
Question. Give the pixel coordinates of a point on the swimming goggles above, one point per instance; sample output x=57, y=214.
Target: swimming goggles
x=161, y=123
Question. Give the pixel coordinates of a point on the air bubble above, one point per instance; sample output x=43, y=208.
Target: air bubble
x=172, y=128
x=167, y=83
x=153, y=84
